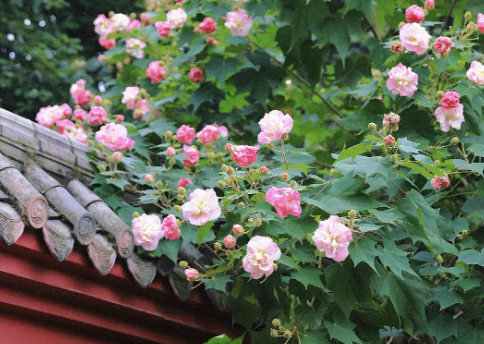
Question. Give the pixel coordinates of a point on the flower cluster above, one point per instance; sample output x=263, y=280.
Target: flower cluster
x=451, y=113
x=148, y=230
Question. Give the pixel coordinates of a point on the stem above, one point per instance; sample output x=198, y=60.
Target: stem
x=284, y=154
x=446, y=22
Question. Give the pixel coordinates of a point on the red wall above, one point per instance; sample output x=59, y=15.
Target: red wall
x=44, y=301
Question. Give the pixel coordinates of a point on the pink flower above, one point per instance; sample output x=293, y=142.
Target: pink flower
x=67, y=110
x=163, y=28
x=134, y=24
x=443, y=45
x=208, y=134
x=183, y=182
x=429, y=4
x=476, y=73
x=229, y=241
x=98, y=100
x=390, y=120
x=196, y=75
x=238, y=22
x=176, y=18
x=185, y=134
x=100, y=58
x=238, y=229
x=115, y=137
x=450, y=117
x=102, y=25
x=192, y=274
x=262, y=252
x=83, y=98
x=244, y=155
x=107, y=43
x=119, y=118
x=147, y=231
x=170, y=152
x=63, y=124
x=129, y=97
x=333, y=238
x=135, y=47
x=155, y=72
x=480, y=22
x=120, y=21
x=285, y=200
x=142, y=106
x=414, y=14
x=193, y=156
x=208, y=25
x=402, y=81
x=440, y=182
x=76, y=134
x=273, y=126
x=389, y=140
x=49, y=115
x=97, y=115
x=450, y=100
x=77, y=87
x=415, y=38
x=222, y=130
x=202, y=207
x=170, y=227
x=80, y=115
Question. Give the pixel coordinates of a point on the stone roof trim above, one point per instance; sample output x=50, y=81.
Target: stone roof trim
x=43, y=178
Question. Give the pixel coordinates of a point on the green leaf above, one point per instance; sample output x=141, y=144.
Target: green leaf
x=445, y=297
x=168, y=248
x=442, y=327
x=342, y=332
x=288, y=261
x=354, y=151
x=307, y=315
x=308, y=276
x=314, y=337
x=341, y=280
x=220, y=68
x=394, y=258
x=205, y=233
x=363, y=251
x=218, y=282
x=471, y=257
x=205, y=93
x=119, y=182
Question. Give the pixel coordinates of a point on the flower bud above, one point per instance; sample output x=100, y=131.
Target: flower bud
x=263, y=170
x=270, y=146
x=372, y=126
x=221, y=184
x=149, y=178
x=180, y=197
x=293, y=184
x=454, y=141
x=284, y=137
x=119, y=119
x=440, y=94
x=102, y=168
x=181, y=191
x=276, y=323
x=230, y=170
x=211, y=156
x=138, y=114
x=217, y=246
x=159, y=184
x=183, y=264
x=273, y=333
x=439, y=259
x=237, y=229
x=214, y=42
x=229, y=241
x=250, y=220
x=224, y=167
x=228, y=148
x=284, y=177
x=397, y=47
x=98, y=100
x=352, y=214
x=287, y=334
x=168, y=134
x=257, y=222
x=389, y=140
x=192, y=274
x=401, y=24
x=394, y=158
x=135, y=214
x=117, y=157
x=468, y=16
x=220, y=155
x=241, y=205
x=90, y=143
x=437, y=162
x=177, y=208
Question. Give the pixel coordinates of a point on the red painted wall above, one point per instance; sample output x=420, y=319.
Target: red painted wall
x=43, y=301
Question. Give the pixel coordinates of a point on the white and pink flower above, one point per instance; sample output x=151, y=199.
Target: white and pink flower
x=238, y=22
x=176, y=18
x=273, y=126
x=443, y=45
x=402, y=81
x=476, y=73
x=147, y=231
x=262, y=253
x=49, y=115
x=115, y=137
x=102, y=25
x=170, y=228
x=129, y=97
x=450, y=117
x=202, y=207
x=185, y=134
x=415, y=38
x=155, y=72
x=135, y=47
x=193, y=156
x=333, y=238
x=244, y=155
x=97, y=115
x=285, y=200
